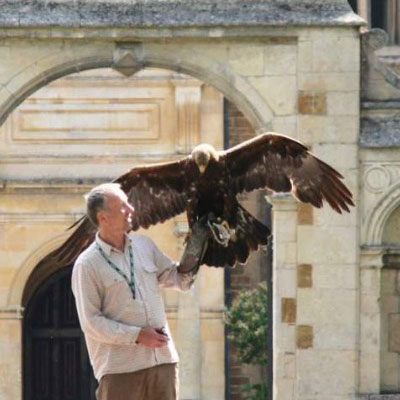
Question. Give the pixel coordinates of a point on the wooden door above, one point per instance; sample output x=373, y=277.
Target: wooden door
x=56, y=363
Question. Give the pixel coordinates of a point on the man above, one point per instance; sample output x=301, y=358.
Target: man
x=116, y=283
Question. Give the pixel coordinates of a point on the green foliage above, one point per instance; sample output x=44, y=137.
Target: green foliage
x=247, y=321
x=256, y=391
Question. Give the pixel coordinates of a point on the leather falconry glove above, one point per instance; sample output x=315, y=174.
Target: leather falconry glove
x=195, y=248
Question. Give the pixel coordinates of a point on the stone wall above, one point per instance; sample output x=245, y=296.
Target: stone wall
x=284, y=76
x=316, y=251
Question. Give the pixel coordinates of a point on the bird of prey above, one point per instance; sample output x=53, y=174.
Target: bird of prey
x=206, y=183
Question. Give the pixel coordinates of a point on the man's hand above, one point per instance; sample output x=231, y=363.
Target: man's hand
x=151, y=337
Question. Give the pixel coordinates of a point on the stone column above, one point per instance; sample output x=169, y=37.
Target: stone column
x=364, y=9
x=371, y=264
x=284, y=222
x=11, y=353
x=189, y=344
x=188, y=332
x=187, y=102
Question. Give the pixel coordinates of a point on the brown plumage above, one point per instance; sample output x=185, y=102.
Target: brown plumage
x=208, y=181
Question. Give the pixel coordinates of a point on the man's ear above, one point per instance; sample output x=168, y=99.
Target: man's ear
x=101, y=216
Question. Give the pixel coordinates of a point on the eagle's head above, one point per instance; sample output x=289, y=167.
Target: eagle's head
x=202, y=154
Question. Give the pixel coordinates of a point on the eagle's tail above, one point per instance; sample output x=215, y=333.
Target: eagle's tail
x=250, y=230
x=249, y=234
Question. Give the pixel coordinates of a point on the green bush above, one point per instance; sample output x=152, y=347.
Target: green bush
x=247, y=321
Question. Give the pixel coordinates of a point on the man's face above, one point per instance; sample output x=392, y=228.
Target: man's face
x=117, y=216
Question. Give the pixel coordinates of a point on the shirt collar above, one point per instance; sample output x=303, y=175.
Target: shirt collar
x=107, y=248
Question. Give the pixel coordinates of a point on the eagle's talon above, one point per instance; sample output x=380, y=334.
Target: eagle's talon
x=221, y=232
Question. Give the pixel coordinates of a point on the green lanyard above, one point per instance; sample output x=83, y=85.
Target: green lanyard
x=131, y=282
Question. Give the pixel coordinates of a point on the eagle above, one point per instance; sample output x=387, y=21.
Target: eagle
x=206, y=184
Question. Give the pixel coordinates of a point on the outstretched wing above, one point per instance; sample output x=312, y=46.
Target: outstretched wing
x=158, y=192
x=284, y=165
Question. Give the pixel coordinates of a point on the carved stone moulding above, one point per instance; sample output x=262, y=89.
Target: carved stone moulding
x=378, y=177
x=377, y=216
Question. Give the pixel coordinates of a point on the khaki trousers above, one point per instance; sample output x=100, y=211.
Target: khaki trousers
x=155, y=383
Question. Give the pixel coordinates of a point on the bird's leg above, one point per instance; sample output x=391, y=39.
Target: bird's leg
x=226, y=222
x=232, y=232
x=221, y=231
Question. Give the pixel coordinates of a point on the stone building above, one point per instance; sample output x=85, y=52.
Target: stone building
x=90, y=88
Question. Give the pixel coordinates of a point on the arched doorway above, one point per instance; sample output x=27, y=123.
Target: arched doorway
x=56, y=363
x=161, y=114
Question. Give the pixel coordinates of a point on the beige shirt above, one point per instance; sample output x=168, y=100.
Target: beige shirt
x=109, y=316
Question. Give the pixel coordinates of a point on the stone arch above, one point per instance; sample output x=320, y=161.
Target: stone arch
x=208, y=68
x=17, y=291
x=379, y=214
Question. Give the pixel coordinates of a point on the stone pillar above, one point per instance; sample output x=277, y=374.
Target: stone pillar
x=11, y=353
x=188, y=331
x=189, y=344
x=187, y=102
x=364, y=9
x=371, y=264
x=284, y=222
x=200, y=331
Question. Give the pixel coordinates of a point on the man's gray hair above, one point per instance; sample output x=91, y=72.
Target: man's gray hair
x=96, y=199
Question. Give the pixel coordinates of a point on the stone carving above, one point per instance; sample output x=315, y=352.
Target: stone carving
x=377, y=178
x=381, y=185
x=127, y=58
x=376, y=215
x=372, y=41
x=51, y=122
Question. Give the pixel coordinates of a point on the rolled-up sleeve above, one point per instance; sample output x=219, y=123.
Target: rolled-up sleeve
x=88, y=302
x=168, y=275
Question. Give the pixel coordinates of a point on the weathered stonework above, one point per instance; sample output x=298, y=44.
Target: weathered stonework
x=305, y=214
x=173, y=13
x=288, y=310
x=261, y=55
x=312, y=103
x=372, y=128
x=304, y=276
x=304, y=336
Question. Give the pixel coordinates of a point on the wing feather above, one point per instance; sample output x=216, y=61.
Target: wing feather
x=80, y=239
x=282, y=164
x=157, y=191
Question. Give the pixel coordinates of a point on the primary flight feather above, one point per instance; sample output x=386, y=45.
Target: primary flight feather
x=206, y=183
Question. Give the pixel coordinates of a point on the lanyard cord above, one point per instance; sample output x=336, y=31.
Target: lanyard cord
x=131, y=282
